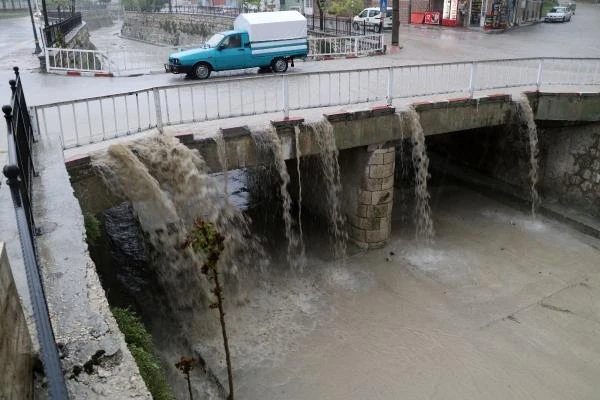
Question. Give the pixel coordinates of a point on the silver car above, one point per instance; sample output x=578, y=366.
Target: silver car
x=562, y=14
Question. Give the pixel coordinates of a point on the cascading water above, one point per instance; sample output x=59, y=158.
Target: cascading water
x=222, y=154
x=401, y=170
x=269, y=141
x=424, y=223
x=325, y=139
x=298, y=159
x=525, y=116
x=169, y=188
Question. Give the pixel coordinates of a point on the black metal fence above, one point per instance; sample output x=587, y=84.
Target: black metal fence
x=20, y=172
x=223, y=11
x=57, y=32
x=340, y=26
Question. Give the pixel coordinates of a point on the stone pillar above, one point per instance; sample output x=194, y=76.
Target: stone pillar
x=370, y=221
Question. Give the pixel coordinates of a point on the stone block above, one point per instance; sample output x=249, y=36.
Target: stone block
x=372, y=184
x=389, y=157
x=380, y=235
x=367, y=224
x=362, y=210
x=387, y=183
x=382, y=196
x=381, y=171
x=376, y=158
x=379, y=211
x=365, y=197
x=357, y=234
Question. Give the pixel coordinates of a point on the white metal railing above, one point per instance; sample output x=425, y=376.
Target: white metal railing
x=345, y=45
x=86, y=121
x=116, y=62
x=58, y=59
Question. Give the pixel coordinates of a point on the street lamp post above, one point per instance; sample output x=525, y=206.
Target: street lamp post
x=37, y=50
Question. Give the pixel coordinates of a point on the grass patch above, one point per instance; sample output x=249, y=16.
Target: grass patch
x=93, y=228
x=139, y=342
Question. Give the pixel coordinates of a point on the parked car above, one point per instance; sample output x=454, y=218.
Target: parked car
x=372, y=17
x=562, y=14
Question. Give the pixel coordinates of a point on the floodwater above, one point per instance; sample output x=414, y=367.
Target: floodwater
x=497, y=306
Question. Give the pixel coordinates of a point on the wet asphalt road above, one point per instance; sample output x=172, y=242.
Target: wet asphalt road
x=420, y=44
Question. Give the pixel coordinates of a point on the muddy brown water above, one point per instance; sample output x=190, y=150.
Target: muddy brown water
x=497, y=306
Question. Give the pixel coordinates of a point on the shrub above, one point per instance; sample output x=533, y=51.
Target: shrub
x=139, y=342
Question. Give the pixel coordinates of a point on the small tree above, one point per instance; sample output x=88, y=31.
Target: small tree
x=205, y=239
x=186, y=365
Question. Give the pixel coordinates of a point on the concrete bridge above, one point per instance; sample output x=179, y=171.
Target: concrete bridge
x=366, y=137
x=366, y=140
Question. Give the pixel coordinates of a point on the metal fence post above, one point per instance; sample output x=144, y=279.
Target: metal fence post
x=538, y=81
x=159, y=122
x=390, y=90
x=286, y=98
x=472, y=79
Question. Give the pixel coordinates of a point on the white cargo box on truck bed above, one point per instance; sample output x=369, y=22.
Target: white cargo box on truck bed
x=276, y=25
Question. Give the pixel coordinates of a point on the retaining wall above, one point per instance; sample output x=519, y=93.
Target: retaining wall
x=16, y=351
x=173, y=29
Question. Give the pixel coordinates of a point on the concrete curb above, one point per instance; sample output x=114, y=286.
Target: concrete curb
x=80, y=73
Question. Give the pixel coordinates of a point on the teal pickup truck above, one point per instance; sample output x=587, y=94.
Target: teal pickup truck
x=264, y=40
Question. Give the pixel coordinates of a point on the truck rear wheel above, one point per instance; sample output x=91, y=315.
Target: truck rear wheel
x=279, y=65
x=202, y=70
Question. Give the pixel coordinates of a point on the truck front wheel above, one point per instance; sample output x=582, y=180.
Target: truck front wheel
x=202, y=70
x=279, y=65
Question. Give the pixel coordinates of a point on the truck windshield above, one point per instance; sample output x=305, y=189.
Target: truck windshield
x=214, y=40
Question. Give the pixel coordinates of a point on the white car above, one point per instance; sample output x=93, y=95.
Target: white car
x=562, y=14
x=371, y=17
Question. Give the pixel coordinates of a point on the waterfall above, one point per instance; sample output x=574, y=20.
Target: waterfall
x=325, y=139
x=169, y=188
x=270, y=141
x=298, y=157
x=222, y=155
x=525, y=116
x=424, y=223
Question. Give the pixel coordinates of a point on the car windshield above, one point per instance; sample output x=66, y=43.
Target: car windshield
x=557, y=10
x=214, y=40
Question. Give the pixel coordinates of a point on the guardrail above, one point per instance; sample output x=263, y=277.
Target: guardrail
x=122, y=62
x=345, y=46
x=19, y=173
x=86, y=121
x=58, y=59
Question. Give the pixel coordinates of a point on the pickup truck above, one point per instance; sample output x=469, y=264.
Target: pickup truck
x=263, y=40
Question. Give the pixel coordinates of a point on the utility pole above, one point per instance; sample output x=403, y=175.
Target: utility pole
x=37, y=43
x=395, y=22
x=45, y=12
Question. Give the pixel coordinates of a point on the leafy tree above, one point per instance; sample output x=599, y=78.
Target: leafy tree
x=144, y=5
x=346, y=8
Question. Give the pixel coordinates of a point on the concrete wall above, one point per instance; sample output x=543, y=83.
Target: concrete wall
x=16, y=367
x=173, y=29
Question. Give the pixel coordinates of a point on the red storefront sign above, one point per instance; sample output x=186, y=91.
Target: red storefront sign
x=432, y=18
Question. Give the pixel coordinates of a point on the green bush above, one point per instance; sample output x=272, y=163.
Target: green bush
x=93, y=229
x=139, y=342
